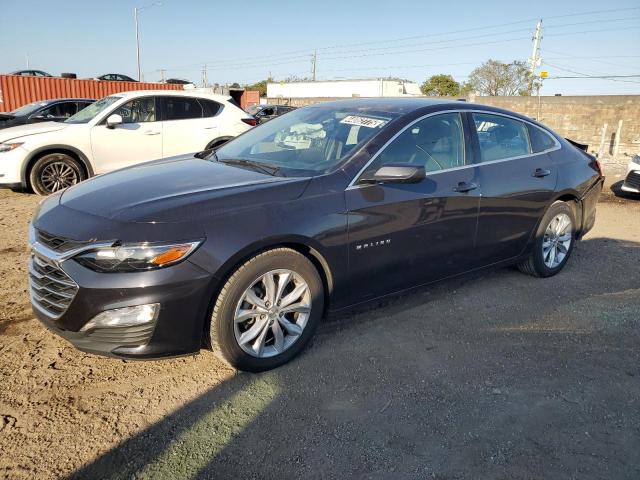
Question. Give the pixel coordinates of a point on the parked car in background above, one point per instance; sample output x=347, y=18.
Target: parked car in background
x=323, y=208
x=116, y=77
x=632, y=181
x=178, y=81
x=264, y=113
x=115, y=132
x=31, y=73
x=57, y=110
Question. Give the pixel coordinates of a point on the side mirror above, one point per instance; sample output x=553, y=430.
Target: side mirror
x=114, y=120
x=397, y=173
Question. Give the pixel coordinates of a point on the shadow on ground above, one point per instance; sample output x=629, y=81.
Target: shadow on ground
x=494, y=375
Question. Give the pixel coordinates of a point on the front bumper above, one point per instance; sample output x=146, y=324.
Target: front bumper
x=632, y=181
x=182, y=290
x=11, y=164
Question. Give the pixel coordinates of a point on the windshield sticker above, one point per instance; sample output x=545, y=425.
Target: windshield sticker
x=363, y=121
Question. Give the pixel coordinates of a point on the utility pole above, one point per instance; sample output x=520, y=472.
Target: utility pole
x=535, y=60
x=205, y=80
x=162, y=70
x=28, y=62
x=314, y=61
x=135, y=17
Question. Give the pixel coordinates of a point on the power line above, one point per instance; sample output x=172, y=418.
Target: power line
x=233, y=63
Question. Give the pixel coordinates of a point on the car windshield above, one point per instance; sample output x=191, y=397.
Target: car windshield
x=87, y=114
x=28, y=109
x=306, y=141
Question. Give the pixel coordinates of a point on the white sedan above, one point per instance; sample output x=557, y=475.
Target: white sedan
x=118, y=131
x=632, y=182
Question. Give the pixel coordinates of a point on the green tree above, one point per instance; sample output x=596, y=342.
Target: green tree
x=260, y=86
x=441, y=86
x=496, y=78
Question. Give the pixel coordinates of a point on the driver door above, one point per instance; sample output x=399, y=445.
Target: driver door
x=138, y=139
x=407, y=234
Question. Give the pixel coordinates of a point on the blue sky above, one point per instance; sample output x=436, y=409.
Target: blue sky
x=354, y=39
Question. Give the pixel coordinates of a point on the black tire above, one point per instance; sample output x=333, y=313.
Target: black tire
x=221, y=330
x=39, y=177
x=535, y=265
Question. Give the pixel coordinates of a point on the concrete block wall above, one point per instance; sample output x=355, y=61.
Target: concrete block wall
x=593, y=120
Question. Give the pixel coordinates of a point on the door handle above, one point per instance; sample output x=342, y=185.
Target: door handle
x=210, y=128
x=152, y=132
x=541, y=173
x=464, y=187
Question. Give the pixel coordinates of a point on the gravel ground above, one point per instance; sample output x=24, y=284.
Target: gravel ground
x=496, y=375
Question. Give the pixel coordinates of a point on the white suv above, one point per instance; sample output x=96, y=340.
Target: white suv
x=115, y=132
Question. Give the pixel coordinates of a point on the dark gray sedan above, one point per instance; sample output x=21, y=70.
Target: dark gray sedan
x=245, y=249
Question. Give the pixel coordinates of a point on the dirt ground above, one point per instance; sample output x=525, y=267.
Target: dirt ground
x=496, y=375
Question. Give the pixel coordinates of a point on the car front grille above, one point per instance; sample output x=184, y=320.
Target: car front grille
x=52, y=290
x=58, y=243
x=633, y=180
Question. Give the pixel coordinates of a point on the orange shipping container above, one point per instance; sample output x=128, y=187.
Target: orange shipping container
x=16, y=91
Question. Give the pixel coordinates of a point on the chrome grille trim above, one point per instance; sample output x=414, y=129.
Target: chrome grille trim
x=51, y=289
x=58, y=243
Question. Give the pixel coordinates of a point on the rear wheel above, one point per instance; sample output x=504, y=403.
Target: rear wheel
x=267, y=311
x=54, y=172
x=554, y=242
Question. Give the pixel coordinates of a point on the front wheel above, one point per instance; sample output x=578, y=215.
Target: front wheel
x=54, y=172
x=267, y=311
x=553, y=243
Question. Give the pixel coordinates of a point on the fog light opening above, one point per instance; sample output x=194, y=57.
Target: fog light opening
x=124, y=317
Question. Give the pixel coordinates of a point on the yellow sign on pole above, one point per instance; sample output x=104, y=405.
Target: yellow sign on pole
x=544, y=74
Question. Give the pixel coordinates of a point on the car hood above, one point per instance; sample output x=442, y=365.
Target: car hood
x=30, y=129
x=180, y=189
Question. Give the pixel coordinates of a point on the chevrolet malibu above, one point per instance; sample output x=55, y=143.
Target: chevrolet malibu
x=244, y=249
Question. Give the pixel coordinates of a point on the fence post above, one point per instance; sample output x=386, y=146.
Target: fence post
x=602, y=137
x=617, y=141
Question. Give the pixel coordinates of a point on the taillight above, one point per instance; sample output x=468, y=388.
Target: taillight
x=599, y=167
x=250, y=121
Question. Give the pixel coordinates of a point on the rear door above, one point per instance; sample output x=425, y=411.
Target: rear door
x=402, y=235
x=188, y=125
x=518, y=183
x=138, y=139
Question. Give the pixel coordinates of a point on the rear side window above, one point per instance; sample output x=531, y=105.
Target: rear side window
x=181, y=108
x=209, y=107
x=500, y=137
x=540, y=140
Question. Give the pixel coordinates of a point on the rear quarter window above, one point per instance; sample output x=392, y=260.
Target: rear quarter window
x=540, y=140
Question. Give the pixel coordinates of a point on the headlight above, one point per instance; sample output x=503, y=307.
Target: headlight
x=7, y=147
x=636, y=159
x=135, y=258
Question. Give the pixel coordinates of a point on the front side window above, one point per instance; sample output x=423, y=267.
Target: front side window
x=307, y=141
x=500, y=137
x=87, y=114
x=435, y=142
x=140, y=110
x=59, y=110
x=181, y=108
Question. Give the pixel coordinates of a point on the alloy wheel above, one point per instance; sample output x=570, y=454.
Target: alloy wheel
x=557, y=240
x=272, y=313
x=57, y=176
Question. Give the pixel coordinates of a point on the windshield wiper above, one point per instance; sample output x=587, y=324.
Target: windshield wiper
x=268, y=169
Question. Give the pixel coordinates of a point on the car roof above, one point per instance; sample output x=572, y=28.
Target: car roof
x=403, y=106
x=173, y=93
x=52, y=100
